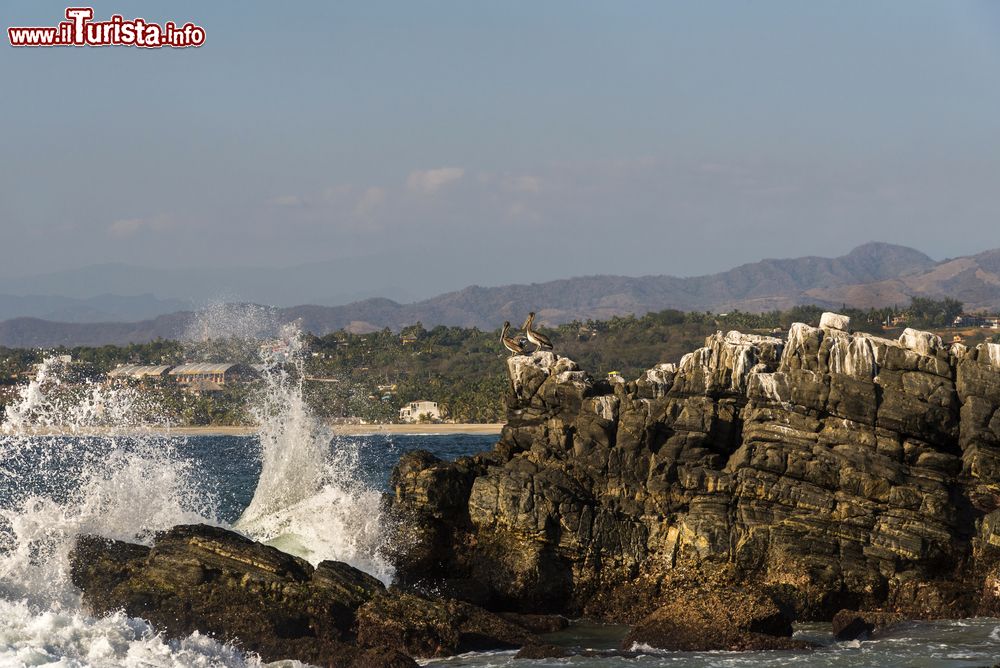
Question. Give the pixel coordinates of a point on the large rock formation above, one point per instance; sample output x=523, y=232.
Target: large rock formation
x=829, y=470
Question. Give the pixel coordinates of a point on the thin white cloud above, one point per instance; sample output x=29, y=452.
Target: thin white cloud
x=527, y=184
x=125, y=228
x=338, y=192
x=286, y=200
x=129, y=227
x=369, y=201
x=519, y=212
x=430, y=180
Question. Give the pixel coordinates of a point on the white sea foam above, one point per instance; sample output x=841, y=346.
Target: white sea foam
x=72, y=639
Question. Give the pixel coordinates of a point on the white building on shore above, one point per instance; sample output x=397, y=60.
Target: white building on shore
x=420, y=411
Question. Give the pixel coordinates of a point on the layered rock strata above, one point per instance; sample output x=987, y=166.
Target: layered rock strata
x=827, y=469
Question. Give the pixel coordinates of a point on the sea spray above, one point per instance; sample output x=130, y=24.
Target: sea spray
x=79, y=456
x=309, y=500
x=293, y=446
x=55, y=401
x=70, y=638
x=84, y=457
x=106, y=472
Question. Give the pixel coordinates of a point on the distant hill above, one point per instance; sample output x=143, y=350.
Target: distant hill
x=326, y=283
x=974, y=280
x=36, y=333
x=875, y=274
x=761, y=286
x=103, y=308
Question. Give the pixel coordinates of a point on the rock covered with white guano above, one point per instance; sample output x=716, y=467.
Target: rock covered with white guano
x=835, y=321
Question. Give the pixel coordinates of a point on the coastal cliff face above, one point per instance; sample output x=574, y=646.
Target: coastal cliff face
x=831, y=470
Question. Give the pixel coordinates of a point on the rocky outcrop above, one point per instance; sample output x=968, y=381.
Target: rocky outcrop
x=831, y=470
x=216, y=582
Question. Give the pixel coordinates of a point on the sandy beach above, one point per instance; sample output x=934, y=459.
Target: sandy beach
x=355, y=429
x=346, y=429
x=362, y=429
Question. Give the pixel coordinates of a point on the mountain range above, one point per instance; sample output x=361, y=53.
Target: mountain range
x=875, y=274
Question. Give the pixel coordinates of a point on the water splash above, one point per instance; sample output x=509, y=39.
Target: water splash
x=83, y=458
x=79, y=456
x=309, y=500
x=49, y=403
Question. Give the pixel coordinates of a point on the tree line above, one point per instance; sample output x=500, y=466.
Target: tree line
x=370, y=376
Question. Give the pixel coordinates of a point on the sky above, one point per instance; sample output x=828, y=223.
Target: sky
x=432, y=145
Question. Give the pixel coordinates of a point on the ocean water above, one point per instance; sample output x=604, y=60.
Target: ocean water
x=295, y=486
x=127, y=487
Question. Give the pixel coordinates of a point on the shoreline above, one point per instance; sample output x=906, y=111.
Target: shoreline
x=443, y=428
x=337, y=429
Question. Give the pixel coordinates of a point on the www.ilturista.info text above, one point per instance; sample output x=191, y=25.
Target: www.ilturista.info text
x=80, y=30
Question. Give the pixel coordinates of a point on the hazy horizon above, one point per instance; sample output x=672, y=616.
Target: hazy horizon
x=177, y=283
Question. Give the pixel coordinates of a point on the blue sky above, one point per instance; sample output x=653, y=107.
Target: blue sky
x=452, y=143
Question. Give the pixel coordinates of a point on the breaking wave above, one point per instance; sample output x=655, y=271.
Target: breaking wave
x=92, y=458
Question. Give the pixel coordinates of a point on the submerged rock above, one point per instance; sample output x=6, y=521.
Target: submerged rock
x=423, y=627
x=699, y=620
x=834, y=470
x=855, y=624
x=537, y=623
x=537, y=652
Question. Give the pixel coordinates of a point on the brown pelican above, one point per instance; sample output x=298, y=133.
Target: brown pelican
x=540, y=340
x=511, y=343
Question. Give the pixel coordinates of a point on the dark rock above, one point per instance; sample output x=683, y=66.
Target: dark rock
x=542, y=652
x=433, y=507
x=207, y=579
x=537, y=623
x=427, y=628
x=382, y=658
x=854, y=624
x=697, y=620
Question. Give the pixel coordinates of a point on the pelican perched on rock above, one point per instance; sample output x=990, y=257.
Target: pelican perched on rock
x=515, y=344
x=540, y=340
